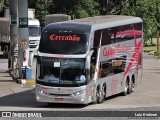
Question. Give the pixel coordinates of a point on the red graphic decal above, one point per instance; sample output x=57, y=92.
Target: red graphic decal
x=129, y=32
x=134, y=57
x=69, y=37
x=116, y=49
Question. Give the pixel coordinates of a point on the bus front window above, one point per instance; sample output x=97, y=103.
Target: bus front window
x=34, y=31
x=61, y=71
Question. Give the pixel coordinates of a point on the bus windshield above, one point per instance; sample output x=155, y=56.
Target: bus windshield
x=34, y=31
x=64, y=42
x=61, y=71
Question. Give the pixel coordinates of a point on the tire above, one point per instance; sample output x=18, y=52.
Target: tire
x=124, y=93
x=100, y=95
x=129, y=90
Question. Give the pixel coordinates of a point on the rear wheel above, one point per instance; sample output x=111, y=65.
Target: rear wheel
x=129, y=88
x=125, y=89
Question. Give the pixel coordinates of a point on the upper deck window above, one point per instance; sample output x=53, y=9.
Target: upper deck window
x=57, y=41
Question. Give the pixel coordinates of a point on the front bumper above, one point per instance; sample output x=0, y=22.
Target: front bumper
x=80, y=99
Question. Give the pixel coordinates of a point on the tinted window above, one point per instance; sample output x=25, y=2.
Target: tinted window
x=64, y=42
x=113, y=66
x=61, y=72
x=126, y=32
x=34, y=31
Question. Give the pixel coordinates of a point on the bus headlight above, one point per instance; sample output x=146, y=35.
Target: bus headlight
x=41, y=91
x=78, y=93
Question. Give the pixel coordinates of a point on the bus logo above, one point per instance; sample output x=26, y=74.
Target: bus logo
x=59, y=89
x=117, y=49
x=65, y=37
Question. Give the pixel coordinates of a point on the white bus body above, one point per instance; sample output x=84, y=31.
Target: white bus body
x=89, y=59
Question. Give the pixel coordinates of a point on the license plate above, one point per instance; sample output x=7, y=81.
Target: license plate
x=58, y=99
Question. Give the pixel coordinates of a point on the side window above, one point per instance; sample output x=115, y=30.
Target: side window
x=105, y=69
x=139, y=33
x=113, y=66
x=138, y=30
x=97, y=37
x=118, y=64
x=106, y=37
x=123, y=33
x=128, y=32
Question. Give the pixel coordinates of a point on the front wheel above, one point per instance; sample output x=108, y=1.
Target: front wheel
x=100, y=95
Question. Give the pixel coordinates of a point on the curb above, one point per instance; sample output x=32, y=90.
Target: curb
x=27, y=82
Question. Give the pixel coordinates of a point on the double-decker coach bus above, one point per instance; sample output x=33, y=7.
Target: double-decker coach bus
x=86, y=60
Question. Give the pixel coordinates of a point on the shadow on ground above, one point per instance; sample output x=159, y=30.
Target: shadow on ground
x=27, y=99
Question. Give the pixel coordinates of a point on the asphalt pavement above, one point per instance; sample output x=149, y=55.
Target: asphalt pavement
x=146, y=97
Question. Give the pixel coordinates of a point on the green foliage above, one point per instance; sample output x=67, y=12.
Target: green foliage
x=113, y=6
x=42, y=9
x=157, y=53
x=149, y=11
x=1, y=5
x=74, y=8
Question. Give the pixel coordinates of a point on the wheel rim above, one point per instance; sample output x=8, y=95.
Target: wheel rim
x=103, y=92
x=97, y=96
x=126, y=88
x=100, y=96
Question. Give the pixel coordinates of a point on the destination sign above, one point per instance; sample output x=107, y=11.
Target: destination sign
x=65, y=37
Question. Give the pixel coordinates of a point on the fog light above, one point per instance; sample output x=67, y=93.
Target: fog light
x=37, y=98
x=82, y=100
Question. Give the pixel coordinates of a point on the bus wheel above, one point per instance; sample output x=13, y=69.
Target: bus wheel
x=125, y=89
x=104, y=92
x=100, y=95
x=129, y=88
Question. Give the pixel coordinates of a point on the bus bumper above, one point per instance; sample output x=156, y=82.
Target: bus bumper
x=79, y=99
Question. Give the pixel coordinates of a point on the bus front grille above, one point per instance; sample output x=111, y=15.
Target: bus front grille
x=59, y=94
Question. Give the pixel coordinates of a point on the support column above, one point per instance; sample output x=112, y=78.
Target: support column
x=23, y=44
x=158, y=42
x=13, y=33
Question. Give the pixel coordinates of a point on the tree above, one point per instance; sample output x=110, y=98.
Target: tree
x=148, y=10
x=1, y=7
x=3, y=4
x=42, y=9
x=107, y=7
x=75, y=8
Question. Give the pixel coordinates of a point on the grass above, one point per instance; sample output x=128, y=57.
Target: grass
x=150, y=48
x=154, y=41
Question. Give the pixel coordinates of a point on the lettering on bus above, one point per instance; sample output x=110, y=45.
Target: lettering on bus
x=117, y=49
x=65, y=37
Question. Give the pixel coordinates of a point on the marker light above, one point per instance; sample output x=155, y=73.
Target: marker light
x=24, y=56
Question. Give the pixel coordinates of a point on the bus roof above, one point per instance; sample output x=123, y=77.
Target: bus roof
x=100, y=22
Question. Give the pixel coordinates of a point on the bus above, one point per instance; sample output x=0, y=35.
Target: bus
x=86, y=60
